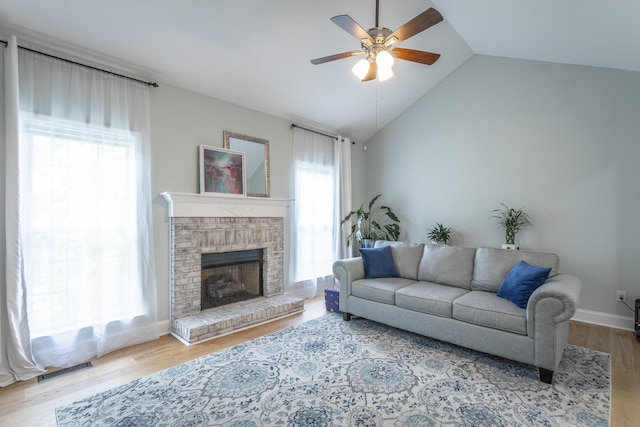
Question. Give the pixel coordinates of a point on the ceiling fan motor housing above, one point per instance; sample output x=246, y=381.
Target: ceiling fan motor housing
x=379, y=35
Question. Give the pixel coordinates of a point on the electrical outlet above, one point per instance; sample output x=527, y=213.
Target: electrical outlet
x=621, y=296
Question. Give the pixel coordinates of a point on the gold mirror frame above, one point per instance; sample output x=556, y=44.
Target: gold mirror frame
x=253, y=148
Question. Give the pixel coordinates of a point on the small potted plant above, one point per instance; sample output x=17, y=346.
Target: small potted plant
x=376, y=223
x=512, y=221
x=439, y=234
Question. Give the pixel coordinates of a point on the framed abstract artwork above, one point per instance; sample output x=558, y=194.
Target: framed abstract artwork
x=222, y=171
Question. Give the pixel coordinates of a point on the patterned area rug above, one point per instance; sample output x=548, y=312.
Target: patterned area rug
x=328, y=372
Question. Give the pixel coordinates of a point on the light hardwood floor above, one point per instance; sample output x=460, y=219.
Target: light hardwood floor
x=30, y=403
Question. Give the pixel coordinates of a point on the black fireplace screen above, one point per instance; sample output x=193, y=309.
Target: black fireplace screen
x=229, y=277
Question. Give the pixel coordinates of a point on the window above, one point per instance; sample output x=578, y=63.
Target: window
x=319, y=173
x=315, y=220
x=80, y=227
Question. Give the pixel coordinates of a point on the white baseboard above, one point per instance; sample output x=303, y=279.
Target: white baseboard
x=164, y=327
x=604, y=319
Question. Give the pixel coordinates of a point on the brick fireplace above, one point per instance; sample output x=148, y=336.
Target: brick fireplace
x=206, y=224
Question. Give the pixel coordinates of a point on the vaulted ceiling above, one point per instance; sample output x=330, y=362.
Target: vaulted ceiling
x=256, y=53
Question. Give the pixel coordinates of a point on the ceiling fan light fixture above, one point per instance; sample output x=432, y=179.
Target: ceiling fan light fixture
x=391, y=41
x=384, y=74
x=361, y=68
x=384, y=60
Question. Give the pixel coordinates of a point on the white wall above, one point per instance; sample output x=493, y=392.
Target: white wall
x=180, y=122
x=561, y=140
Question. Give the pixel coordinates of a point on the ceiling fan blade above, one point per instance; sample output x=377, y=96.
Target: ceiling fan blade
x=426, y=19
x=419, y=56
x=336, y=56
x=352, y=27
x=373, y=72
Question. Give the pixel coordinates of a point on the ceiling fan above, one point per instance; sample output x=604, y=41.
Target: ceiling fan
x=379, y=45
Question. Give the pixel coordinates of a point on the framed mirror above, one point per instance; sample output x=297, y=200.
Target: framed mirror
x=257, y=161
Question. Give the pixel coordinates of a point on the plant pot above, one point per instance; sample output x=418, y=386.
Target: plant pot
x=367, y=243
x=510, y=247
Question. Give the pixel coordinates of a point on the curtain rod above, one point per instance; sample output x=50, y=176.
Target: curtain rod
x=293, y=125
x=83, y=65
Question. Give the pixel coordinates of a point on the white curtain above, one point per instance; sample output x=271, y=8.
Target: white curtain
x=84, y=211
x=343, y=153
x=322, y=192
x=16, y=358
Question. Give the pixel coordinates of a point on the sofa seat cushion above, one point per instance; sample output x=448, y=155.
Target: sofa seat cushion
x=380, y=290
x=430, y=298
x=487, y=309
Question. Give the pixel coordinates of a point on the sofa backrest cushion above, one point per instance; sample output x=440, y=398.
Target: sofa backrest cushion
x=406, y=256
x=447, y=265
x=492, y=265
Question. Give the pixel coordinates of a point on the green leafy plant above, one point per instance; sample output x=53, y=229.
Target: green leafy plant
x=376, y=223
x=512, y=221
x=439, y=233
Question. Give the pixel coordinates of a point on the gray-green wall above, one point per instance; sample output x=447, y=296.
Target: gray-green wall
x=561, y=140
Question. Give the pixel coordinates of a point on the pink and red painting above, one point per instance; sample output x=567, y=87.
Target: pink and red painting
x=222, y=171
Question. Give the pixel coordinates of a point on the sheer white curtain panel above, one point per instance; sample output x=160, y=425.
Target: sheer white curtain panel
x=16, y=358
x=321, y=165
x=343, y=153
x=84, y=203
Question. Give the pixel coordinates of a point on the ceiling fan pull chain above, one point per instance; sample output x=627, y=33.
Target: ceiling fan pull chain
x=381, y=98
x=380, y=88
x=377, y=86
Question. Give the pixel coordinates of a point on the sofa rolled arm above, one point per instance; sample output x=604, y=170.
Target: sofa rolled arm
x=563, y=287
x=347, y=271
x=548, y=312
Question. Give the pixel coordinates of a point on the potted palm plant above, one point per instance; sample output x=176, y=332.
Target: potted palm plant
x=375, y=223
x=512, y=221
x=439, y=234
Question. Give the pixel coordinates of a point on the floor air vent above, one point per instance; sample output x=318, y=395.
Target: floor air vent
x=63, y=371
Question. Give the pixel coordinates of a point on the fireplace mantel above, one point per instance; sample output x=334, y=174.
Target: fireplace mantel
x=210, y=205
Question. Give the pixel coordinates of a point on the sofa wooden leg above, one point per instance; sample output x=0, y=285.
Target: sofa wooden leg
x=546, y=376
x=346, y=316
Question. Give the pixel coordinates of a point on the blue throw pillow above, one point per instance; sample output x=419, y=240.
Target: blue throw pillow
x=521, y=281
x=378, y=262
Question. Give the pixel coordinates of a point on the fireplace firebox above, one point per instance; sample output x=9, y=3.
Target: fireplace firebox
x=229, y=277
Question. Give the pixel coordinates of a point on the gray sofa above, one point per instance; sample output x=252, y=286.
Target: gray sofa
x=450, y=293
